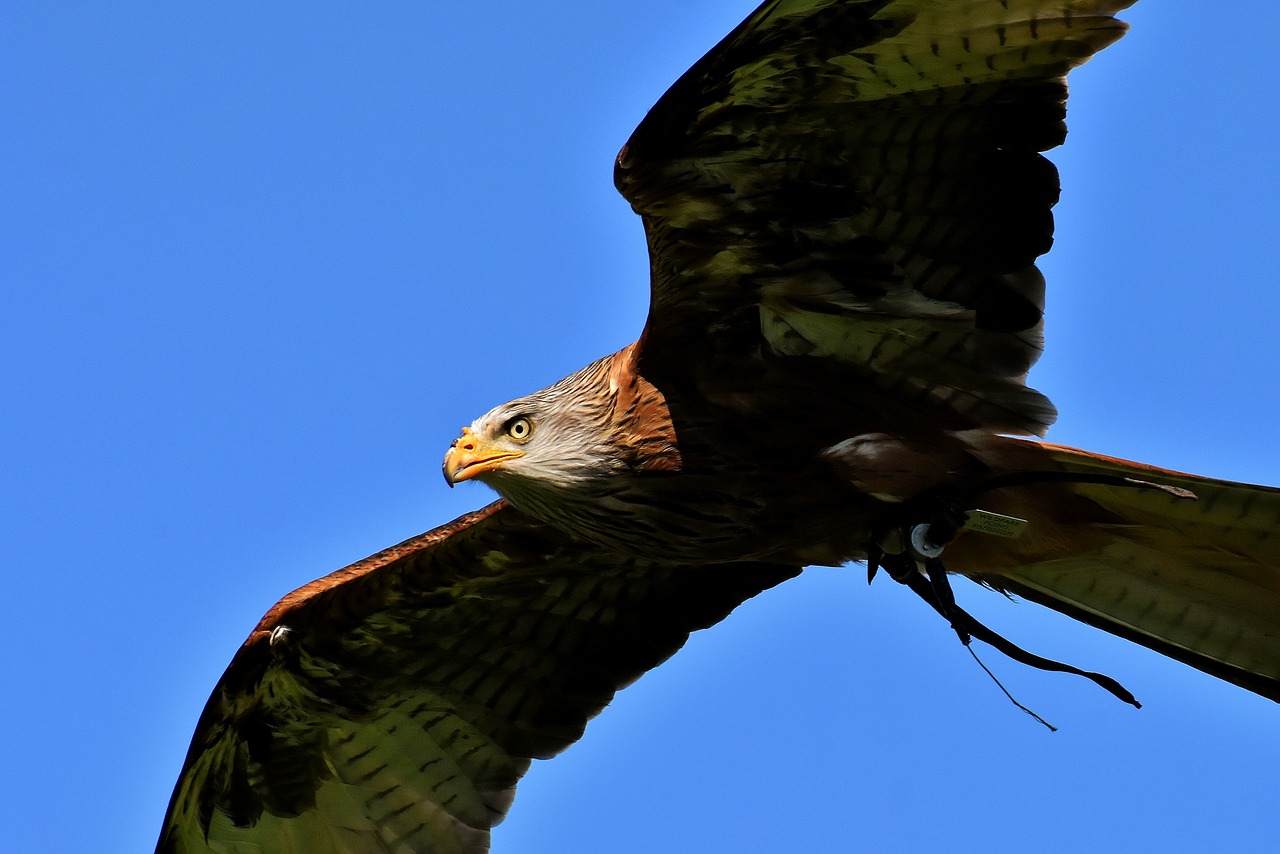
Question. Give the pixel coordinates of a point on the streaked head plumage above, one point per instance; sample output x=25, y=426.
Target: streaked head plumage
x=559, y=437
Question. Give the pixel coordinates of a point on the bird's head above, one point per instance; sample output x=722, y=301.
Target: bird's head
x=559, y=437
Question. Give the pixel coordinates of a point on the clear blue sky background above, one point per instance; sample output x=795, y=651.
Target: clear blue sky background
x=261, y=261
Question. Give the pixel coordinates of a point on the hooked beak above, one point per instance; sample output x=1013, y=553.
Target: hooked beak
x=469, y=456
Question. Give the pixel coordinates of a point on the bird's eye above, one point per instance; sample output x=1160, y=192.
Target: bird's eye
x=520, y=429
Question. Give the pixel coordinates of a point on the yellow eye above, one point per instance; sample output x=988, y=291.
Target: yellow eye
x=520, y=429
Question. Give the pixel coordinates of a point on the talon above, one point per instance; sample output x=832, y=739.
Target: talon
x=874, y=554
x=946, y=597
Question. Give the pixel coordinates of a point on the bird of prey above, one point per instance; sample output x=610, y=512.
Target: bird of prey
x=844, y=201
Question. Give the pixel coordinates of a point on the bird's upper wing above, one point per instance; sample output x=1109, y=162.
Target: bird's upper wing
x=861, y=180
x=393, y=704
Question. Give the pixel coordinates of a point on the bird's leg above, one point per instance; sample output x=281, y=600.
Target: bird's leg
x=911, y=551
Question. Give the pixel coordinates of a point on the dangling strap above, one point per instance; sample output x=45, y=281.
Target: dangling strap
x=941, y=518
x=966, y=625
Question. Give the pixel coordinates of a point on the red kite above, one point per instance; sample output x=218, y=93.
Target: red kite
x=844, y=201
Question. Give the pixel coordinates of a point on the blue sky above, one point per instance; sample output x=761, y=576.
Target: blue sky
x=263, y=261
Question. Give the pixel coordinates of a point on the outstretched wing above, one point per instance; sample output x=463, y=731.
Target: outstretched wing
x=394, y=704
x=862, y=181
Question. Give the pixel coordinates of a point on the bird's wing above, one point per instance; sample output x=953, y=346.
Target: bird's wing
x=862, y=181
x=393, y=705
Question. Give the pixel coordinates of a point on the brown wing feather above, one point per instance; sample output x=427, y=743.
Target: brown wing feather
x=861, y=181
x=394, y=704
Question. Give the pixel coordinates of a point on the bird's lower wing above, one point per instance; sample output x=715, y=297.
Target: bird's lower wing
x=394, y=704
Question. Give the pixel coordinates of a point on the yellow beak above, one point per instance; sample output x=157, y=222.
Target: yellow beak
x=470, y=455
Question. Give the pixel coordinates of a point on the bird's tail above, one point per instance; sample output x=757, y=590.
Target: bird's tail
x=1195, y=578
